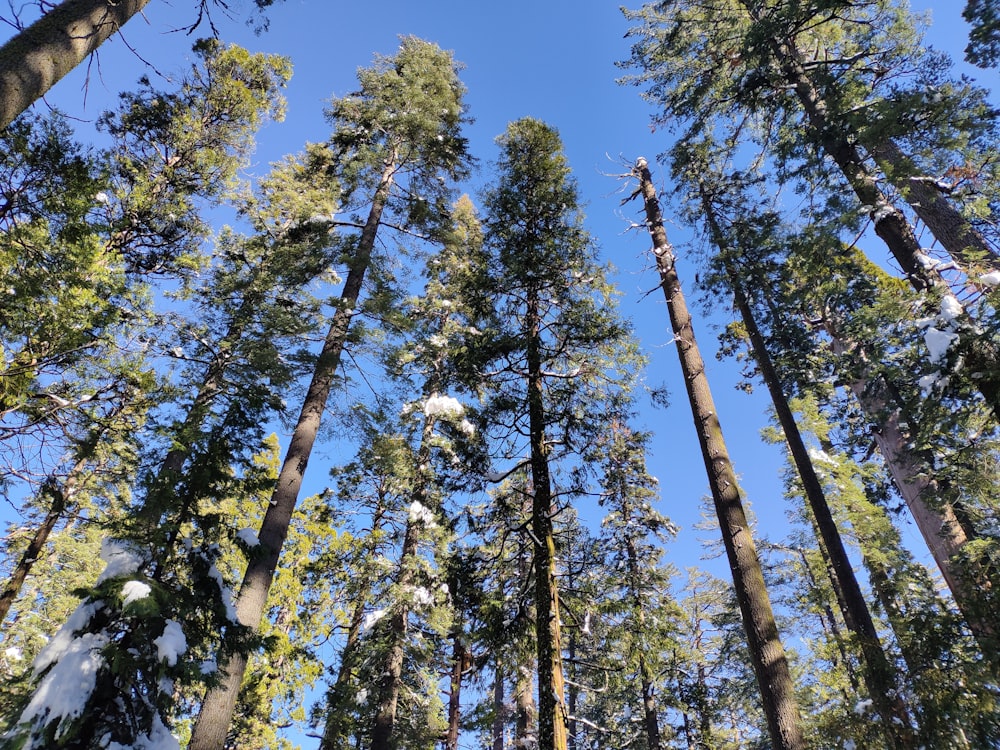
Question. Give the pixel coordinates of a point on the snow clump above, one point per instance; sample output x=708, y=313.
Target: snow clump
x=421, y=513
x=443, y=406
x=248, y=536
x=120, y=559
x=133, y=591
x=171, y=644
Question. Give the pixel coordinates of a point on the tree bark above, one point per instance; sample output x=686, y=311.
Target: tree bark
x=552, y=732
x=766, y=651
x=938, y=524
x=957, y=236
x=40, y=55
x=879, y=675
x=213, y=721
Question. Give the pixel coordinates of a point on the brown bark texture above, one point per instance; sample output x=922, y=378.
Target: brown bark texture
x=766, y=651
x=216, y=713
x=38, y=56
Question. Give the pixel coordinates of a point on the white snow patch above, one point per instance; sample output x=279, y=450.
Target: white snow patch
x=938, y=342
x=63, y=639
x=371, y=618
x=120, y=559
x=863, y=707
x=951, y=308
x=248, y=536
x=361, y=697
x=225, y=592
x=421, y=513
x=64, y=692
x=991, y=279
x=820, y=456
x=133, y=591
x=102, y=198
x=422, y=597
x=467, y=428
x=13, y=653
x=171, y=644
x=159, y=738
x=443, y=406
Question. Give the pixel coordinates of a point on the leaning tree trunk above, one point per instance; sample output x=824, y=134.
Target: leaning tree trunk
x=35, y=59
x=552, y=730
x=963, y=243
x=766, y=652
x=939, y=525
x=890, y=224
x=60, y=495
x=879, y=675
x=216, y=713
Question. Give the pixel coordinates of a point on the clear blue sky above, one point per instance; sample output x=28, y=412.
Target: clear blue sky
x=550, y=59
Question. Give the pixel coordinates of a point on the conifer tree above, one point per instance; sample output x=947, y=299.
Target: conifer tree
x=767, y=653
x=391, y=143
x=558, y=348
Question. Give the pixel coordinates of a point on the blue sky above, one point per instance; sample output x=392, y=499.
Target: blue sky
x=550, y=59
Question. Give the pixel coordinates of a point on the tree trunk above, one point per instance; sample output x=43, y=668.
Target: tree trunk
x=957, y=236
x=525, y=713
x=767, y=654
x=879, y=675
x=213, y=721
x=39, y=56
x=499, y=710
x=461, y=660
x=60, y=500
x=939, y=525
x=551, y=688
x=651, y=722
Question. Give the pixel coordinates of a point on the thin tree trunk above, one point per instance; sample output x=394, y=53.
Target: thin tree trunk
x=551, y=686
x=499, y=709
x=37, y=57
x=461, y=660
x=889, y=222
x=651, y=722
x=879, y=676
x=60, y=496
x=216, y=713
x=334, y=731
x=767, y=654
x=525, y=713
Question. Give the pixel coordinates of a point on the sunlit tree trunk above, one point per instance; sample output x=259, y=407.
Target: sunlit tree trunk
x=37, y=57
x=767, y=653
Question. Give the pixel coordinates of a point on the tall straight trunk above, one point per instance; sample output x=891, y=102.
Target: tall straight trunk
x=499, y=712
x=392, y=674
x=828, y=620
x=60, y=495
x=939, y=524
x=551, y=685
x=766, y=652
x=461, y=660
x=879, y=675
x=216, y=713
x=889, y=222
x=334, y=731
x=963, y=243
x=651, y=723
x=37, y=57
x=525, y=711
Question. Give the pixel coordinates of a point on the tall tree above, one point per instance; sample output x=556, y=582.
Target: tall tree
x=558, y=350
x=767, y=653
x=391, y=143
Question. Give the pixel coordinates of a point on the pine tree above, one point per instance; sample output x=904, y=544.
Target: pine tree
x=558, y=348
x=39, y=55
x=399, y=134
x=767, y=653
